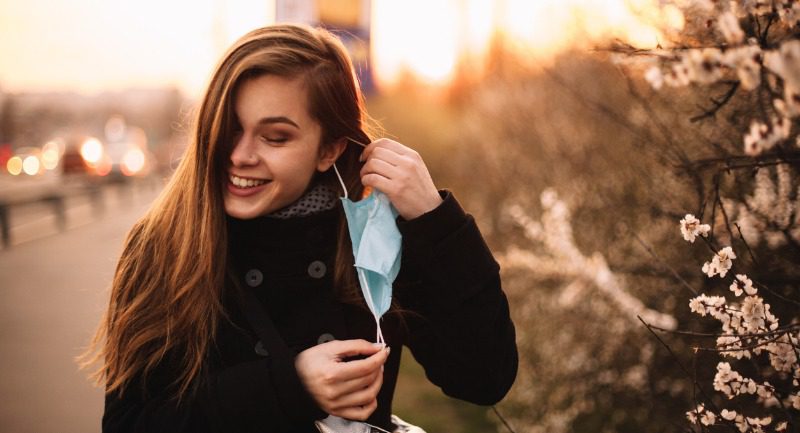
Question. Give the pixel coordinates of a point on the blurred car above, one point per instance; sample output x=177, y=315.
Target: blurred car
x=72, y=162
x=26, y=160
x=116, y=160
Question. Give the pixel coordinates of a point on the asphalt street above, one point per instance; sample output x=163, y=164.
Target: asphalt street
x=53, y=290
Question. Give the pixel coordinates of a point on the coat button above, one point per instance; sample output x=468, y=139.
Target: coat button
x=253, y=277
x=317, y=269
x=260, y=349
x=324, y=338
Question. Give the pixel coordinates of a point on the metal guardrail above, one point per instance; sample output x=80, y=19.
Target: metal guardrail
x=51, y=192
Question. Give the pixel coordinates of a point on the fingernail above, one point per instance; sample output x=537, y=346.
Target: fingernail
x=361, y=157
x=379, y=345
x=388, y=349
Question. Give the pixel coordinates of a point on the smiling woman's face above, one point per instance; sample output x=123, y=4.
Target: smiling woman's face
x=276, y=147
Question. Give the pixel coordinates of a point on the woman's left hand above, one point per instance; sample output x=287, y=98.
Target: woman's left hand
x=400, y=173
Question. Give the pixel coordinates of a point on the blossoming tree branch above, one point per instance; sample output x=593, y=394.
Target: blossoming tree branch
x=750, y=50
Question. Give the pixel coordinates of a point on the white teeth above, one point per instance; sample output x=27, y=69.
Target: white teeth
x=245, y=183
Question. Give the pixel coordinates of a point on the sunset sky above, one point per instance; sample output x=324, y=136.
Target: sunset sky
x=91, y=45
x=94, y=45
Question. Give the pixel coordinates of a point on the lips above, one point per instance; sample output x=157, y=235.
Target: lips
x=244, y=186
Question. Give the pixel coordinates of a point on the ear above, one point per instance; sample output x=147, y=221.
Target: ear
x=330, y=153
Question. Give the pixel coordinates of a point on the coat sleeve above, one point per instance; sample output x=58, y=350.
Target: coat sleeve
x=459, y=327
x=259, y=395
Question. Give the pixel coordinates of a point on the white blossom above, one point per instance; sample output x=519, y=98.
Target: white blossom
x=704, y=65
x=691, y=228
x=720, y=264
x=785, y=62
x=729, y=26
x=782, y=355
x=759, y=421
x=704, y=304
x=655, y=77
x=789, y=106
x=795, y=401
x=751, y=7
x=743, y=284
x=753, y=313
x=708, y=418
x=692, y=414
x=729, y=415
x=746, y=61
x=789, y=11
x=730, y=343
x=769, y=205
x=678, y=75
x=762, y=137
x=731, y=383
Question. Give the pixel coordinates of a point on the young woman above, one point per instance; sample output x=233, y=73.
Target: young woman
x=254, y=206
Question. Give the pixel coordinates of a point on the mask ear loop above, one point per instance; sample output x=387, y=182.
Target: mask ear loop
x=368, y=296
x=339, y=175
x=344, y=188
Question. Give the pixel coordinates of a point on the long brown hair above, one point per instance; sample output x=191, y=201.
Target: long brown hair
x=166, y=295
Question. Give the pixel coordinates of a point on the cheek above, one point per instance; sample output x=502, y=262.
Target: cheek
x=295, y=168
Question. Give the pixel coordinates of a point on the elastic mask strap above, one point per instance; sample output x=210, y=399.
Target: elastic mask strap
x=338, y=175
x=344, y=188
x=368, y=295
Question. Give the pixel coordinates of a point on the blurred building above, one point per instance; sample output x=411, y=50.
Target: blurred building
x=348, y=19
x=33, y=119
x=30, y=119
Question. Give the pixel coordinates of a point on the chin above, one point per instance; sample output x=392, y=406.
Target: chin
x=244, y=212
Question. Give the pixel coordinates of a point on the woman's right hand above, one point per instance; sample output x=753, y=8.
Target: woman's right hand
x=347, y=389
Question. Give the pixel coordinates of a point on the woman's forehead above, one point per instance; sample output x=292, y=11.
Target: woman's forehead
x=270, y=97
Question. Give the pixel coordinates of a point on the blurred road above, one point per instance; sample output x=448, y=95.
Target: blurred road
x=53, y=289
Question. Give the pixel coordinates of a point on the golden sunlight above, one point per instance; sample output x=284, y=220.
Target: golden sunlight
x=428, y=39
x=96, y=46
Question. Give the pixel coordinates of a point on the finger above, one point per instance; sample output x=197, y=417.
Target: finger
x=380, y=167
x=347, y=348
x=389, y=156
x=360, y=397
x=358, y=413
x=379, y=182
x=386, y=143
x=361, y=367
x=359, y=383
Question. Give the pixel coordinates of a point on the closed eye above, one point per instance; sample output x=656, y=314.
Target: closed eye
x=274, y=140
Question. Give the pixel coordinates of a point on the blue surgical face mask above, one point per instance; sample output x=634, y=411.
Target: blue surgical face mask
x=376, y=247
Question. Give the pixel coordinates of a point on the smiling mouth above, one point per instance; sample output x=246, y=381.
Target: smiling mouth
x=241, y=182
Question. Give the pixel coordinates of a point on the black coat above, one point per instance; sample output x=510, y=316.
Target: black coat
x=456, y=323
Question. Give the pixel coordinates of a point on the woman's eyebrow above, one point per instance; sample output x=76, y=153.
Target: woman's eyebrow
x=278, y=119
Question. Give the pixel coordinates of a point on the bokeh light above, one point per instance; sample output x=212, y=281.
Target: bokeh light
x=103, y=166
x=51, y=153
x=31, y=165
x=14, y=165
x=92, y=151
x=132, y=162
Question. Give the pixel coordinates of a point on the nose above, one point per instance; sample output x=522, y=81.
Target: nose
x=243, y=153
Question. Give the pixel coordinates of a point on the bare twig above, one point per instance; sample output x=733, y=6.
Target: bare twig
x=717, y=103
x=743, y=161
x=682, y=367
x=781, y=330
x=775, y=294
x=741, y=236
x=738, y=349
x=674, y=273
x=505, y=423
